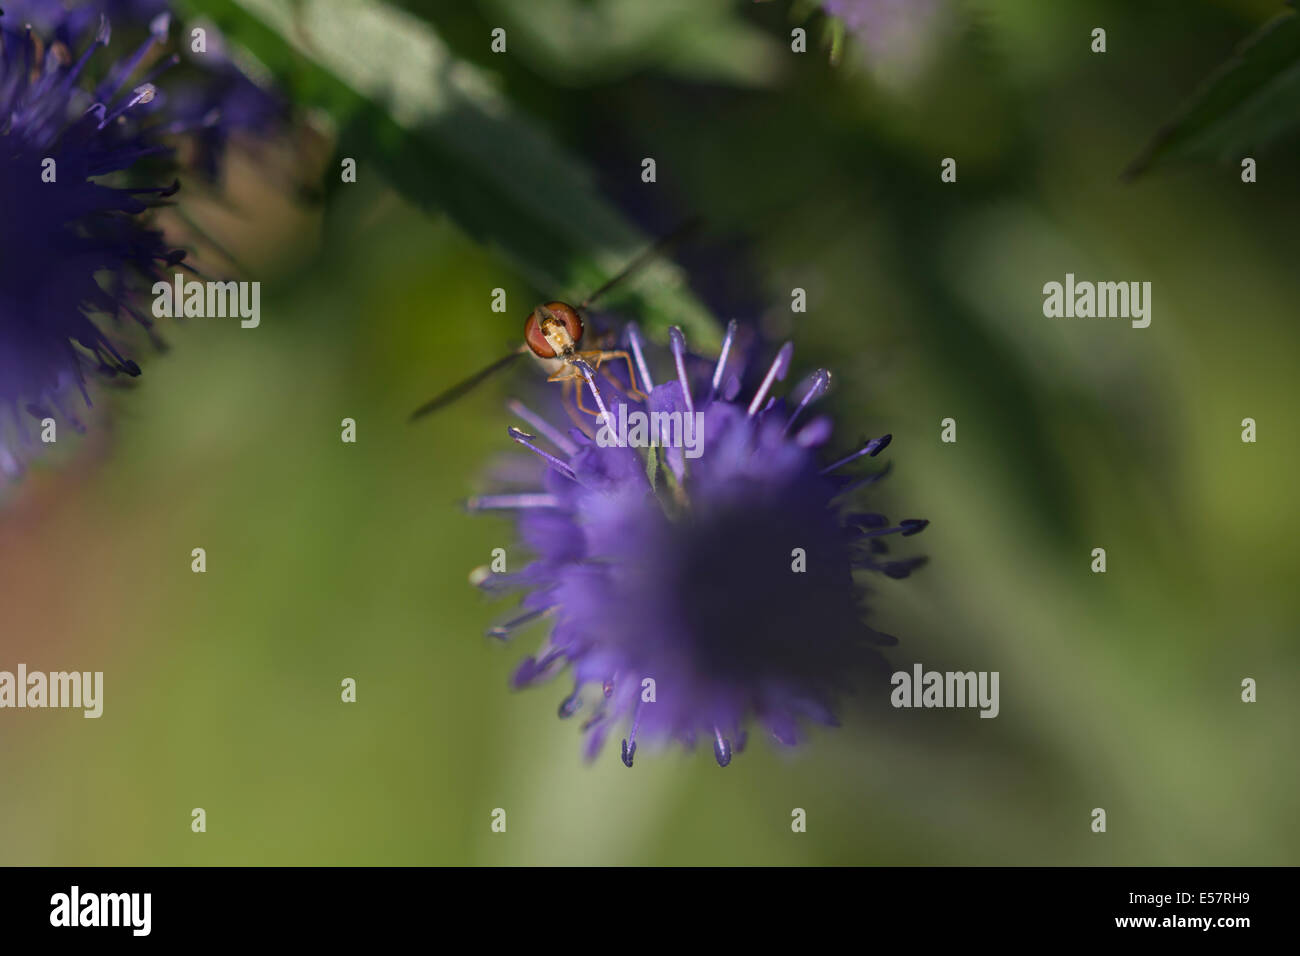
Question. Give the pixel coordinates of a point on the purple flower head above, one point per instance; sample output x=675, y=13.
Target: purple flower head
x=720, y=568
x=75, y=252
x=208, y=104
x=218, y=101
x=894, y=33
x=225, y=104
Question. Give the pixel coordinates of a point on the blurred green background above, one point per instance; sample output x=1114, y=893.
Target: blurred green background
x=329, y=560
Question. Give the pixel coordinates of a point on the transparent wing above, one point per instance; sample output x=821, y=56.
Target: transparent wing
x=660, y=247
x=461, y=389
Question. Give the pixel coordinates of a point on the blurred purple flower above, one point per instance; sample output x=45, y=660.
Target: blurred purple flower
x=894, y=33
x=218, y=101
x=682, y=570
x=74, y=253
x=225, y=103
x=208, y=105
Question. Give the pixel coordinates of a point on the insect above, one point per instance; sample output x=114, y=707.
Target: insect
x=554, y=333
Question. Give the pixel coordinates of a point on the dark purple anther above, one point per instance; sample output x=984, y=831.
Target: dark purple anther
x=721, y=749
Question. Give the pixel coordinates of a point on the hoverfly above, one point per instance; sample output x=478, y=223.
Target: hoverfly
x=554, y=334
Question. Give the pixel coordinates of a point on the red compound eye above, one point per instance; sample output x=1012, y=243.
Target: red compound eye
x=534, y=339
x=558, y=312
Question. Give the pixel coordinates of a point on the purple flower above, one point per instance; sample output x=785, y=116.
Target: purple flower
x=75, y=253
x=224, y=104
x=894, y=33
x=216, y=101
x=208, y=104
x=724, y=573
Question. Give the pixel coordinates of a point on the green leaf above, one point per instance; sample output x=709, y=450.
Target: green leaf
x=652, y=467
x=1247, y=103
x=835, y=32
x=435, y=127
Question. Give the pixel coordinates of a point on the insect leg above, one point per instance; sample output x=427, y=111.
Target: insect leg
x=621, y=355
x=594, y=413
x=567, y=399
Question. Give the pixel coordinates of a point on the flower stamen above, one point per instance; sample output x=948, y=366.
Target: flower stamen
x=779, y=367
x=634, y=340
x=677, y=342
x=821, y=381
x=526, y=440
x=553, y=434
x=721, y=748
x=873, y=448
x=727, y=339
